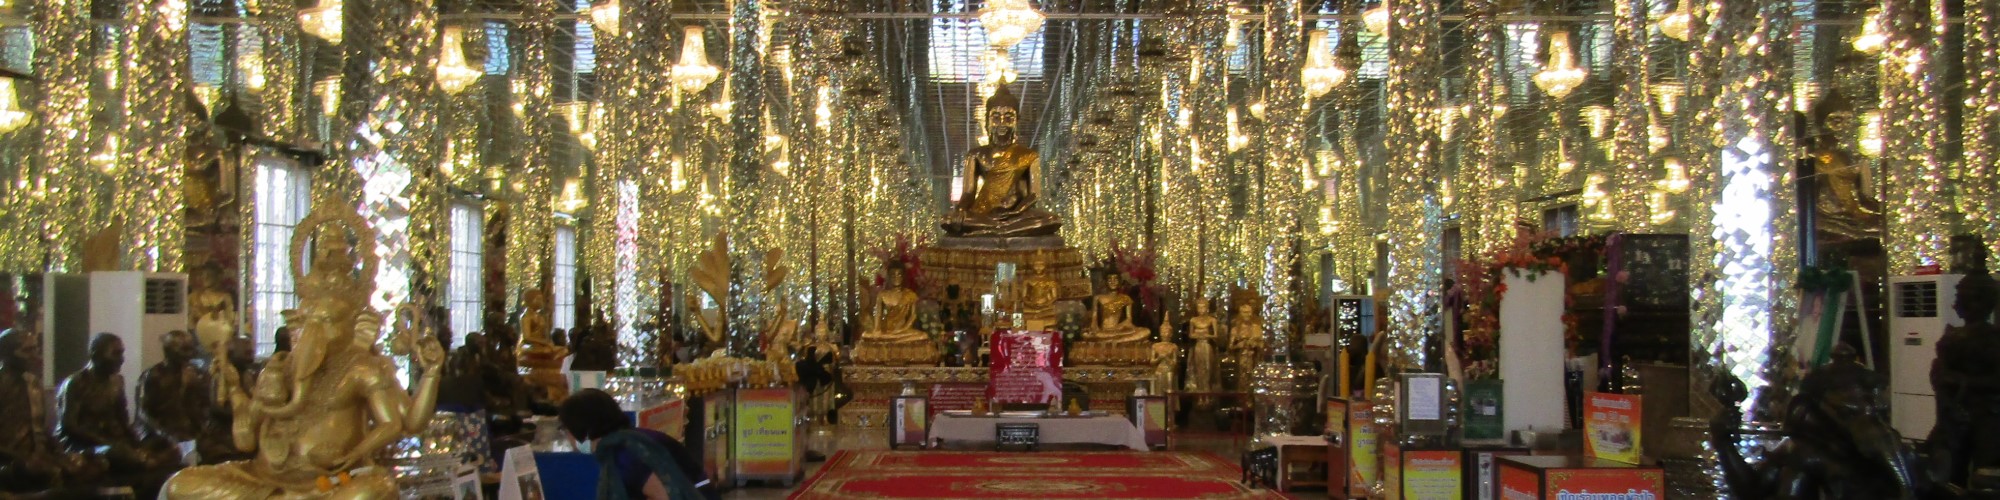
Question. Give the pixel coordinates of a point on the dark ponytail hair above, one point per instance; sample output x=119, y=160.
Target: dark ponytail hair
x=591, y=414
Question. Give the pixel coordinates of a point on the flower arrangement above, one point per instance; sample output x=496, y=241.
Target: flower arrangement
x=903, y=251
x=1136, y=265
x=1480, y=284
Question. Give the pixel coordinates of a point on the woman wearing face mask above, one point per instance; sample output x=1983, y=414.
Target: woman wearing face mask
x=632, y=463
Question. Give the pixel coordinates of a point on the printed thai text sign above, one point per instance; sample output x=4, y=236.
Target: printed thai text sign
x=764, y=432
x=1026, y=367
x=1611, y=426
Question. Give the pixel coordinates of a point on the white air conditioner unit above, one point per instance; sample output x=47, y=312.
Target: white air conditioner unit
x=1920, y=307
x=138, y=307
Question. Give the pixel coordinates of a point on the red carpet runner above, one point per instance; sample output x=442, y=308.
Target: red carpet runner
x=946, y=474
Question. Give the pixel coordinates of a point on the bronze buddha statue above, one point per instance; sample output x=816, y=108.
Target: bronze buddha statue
x=1001, y=181
x=92, y=416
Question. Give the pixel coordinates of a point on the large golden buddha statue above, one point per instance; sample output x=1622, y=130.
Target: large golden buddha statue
x=319, y=417
x=889, y=333
x=1002, y=179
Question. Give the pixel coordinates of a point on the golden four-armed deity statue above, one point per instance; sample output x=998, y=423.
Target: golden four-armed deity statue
x=1002, y=180
x=320, y=416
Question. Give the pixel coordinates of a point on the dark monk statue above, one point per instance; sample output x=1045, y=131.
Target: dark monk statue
x=92, y=418
x=30, y=461
x=173, y=395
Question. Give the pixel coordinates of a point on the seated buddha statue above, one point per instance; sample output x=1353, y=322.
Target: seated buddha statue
x=1001, y=181
x=1038, y=304
x=537, y=352
x=1111, y=316
x=890, y=334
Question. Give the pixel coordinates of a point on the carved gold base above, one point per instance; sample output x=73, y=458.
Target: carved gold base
x=1112, y=354
x=969, y=262
x=898, y=354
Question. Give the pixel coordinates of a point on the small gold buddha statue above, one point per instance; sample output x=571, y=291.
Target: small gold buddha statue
x=1846, y=203
x=1166, y=354
x=1246, y=338
x=1002, y=180
x=1038, y=304
x=320, y=416
x=890, y=334
x=1111, y=316
x=1201, y=356
x=537, y=352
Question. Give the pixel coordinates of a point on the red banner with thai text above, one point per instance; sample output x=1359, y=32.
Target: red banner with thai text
x=1026, y=367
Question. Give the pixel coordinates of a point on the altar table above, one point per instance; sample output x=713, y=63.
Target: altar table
x=1105, y=429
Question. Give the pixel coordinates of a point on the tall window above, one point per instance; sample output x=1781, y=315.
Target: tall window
x=283, y=196
x=463, y=290
x=565, y=279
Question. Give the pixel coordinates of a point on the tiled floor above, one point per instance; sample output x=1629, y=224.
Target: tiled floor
x=827, y=441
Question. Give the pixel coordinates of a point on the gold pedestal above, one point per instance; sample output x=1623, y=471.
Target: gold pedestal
x=969, y=262
x=897, y=354
x=1112, y=354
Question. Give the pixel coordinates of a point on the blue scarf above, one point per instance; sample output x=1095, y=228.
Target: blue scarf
x=650, y=453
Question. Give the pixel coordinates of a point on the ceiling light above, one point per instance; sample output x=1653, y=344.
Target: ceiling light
x=1321, y=74
x=694, y=73
x=1677, y=177
x=1873, y=37
x=1677, y=23
x=1008, y=22
x=454, y=74
x=322, y=21
x=1376, y=19
x=604, y=16
x=1561, y=75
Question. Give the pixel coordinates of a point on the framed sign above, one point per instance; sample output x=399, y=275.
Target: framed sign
x=1422, y=405
x=909, y=421
x=1149, y=414
x=1017, y=434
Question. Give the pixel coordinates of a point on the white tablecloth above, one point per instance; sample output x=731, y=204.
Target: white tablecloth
x=1111, y=430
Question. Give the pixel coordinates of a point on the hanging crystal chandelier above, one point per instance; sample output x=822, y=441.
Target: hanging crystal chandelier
x=1561, y=75
x=604, y=16
x=322, y=21
x=1321, y=74
x=12, y=117
x=1873, y=37
x=694, y=73
x=1376, y=19
x=1008, y=22
x=454, y=74
x=1870, y=140
x=1676, y=24
x=1677, y=177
